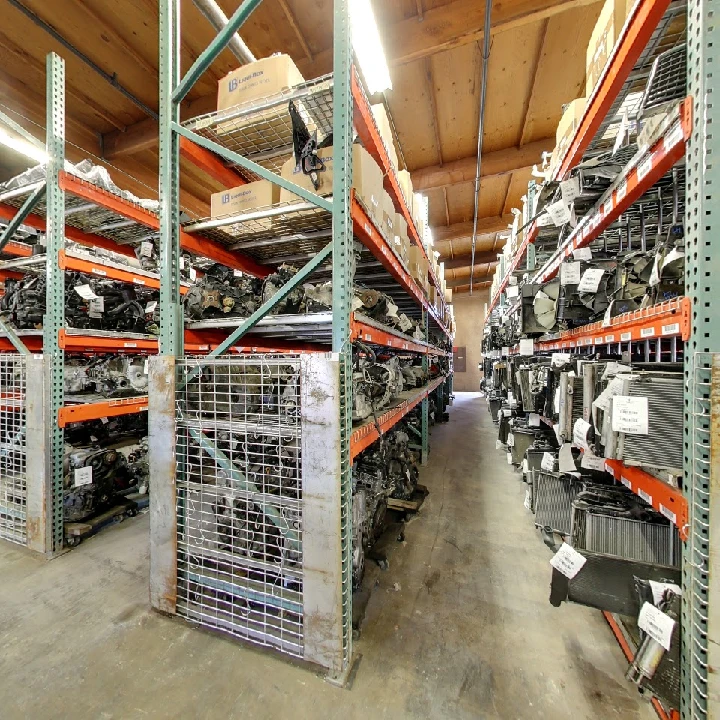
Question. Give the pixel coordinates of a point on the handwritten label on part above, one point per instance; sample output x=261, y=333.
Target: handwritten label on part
x=570, y=273
x=527, y=346
x=656, y=624
x=590, y=280
x=83, y=476
x=592, y=462
x=568, y=561
x=547, y=462
x=630, y=415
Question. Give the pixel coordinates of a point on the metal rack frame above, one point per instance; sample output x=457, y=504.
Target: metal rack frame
x=326, y=378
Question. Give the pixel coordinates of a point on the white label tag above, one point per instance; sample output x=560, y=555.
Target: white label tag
x=647, y=332
x=512, y=291
x=580, y=433
x=566, y=462
x=544, y=220
x=526, y=503
x=624, y=481
x=182, y=262
x=507, y=412
x=590, y=280
x=534, y=420
x=150, y=307
x=567, y=561
x=237, y=273
x=674, y=136
x=570, y=189
x=630, y=415
x=505, y=351
x=559, y=212
x=104, y=420
x=621, y=191
x=606, y=317
x=509, y=458
x=658, y=590
x=547, y=462
x=97, y=304
x=647, y=497
x=85, y=292
x=83, y=476
x=592, y=462
x=98, y=271
x=570, y=273
x=656, y=624
x=559, y=359
x=498, y=445
x=625, y=337
x=527, y=346
x=584, y=253
x=644, y=167
x=138, y=281
x=511, y=440
x=607, y=207
x=668, y=513
x=146, y=249
x=673, y=329
x=525, y=465
x=609, y=338
x=193, y=274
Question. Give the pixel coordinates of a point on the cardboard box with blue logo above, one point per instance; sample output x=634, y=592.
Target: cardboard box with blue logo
x=245, y=198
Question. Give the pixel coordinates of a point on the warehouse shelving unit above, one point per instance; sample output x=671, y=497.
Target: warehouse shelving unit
x=682, y=329
x=65, y=207
x=295, y=593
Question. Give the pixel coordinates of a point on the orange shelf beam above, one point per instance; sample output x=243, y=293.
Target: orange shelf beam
x=367, y=434
x=665, y=320
x=98, y=410
x=210, y=164
x=667, y=500
x=68, y=262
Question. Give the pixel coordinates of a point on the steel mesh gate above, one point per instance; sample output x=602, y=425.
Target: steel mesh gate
x=13, y=470
x=239, y=497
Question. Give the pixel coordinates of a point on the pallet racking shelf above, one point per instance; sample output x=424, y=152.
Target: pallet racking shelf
x=308, y=611
x=683, y=329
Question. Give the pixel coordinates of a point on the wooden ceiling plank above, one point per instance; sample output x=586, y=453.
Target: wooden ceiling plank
x=447, y=207
x=292, y=21
x=434, y=110
x=465, y=229
x=462, y=260
x=533, y=82
x=498, y=163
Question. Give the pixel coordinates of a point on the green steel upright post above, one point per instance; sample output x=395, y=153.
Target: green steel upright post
x=700, y=695
x=54, y=318
x=343, y=266
x=171, y=324
x=425, y=405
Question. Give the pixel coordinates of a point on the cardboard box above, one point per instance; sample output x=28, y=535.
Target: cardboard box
x=448, y=295
x=244, y=198
x=568, y=124
x=387, y=221
x=402, y=242
x=602, y=41
x=406, y=186
x=258, y=80
x=418, y=267
x=367, y=179
x=385, y=128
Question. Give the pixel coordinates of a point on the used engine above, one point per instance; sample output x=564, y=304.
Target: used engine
x=374, y=383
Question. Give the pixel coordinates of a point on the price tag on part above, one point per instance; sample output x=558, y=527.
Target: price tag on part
x=97, y=304
x=580, y=433
x=146, y=366
x=512, y=291
x=85, y=292
x=630, y=415
x=570, y=273
x=525, y=465
x=150, y=307
x=559, y=212
x=570, y=189
x=547, y=462
x=582, y=254
x=656, y=624
x=568, y=561
x=658, y=590
x=83, y=476
x=526, y=503
x=146, y=248
x=534, y=420
x=509, y=458
x=511, y=440
x=590, y=281
x=193, y=274
x=592, y=462
x=527, y=347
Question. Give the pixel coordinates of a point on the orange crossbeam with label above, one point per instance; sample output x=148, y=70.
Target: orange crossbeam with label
x=667, y=500
x=99, y=410
x=666, y=320
x=117, y=344
x=69, y=262
x=366, y=435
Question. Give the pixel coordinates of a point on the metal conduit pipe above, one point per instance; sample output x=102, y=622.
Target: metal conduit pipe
x=481, y=122
x=217, y=18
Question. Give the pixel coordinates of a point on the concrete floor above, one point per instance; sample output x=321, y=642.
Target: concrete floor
x=468, y=633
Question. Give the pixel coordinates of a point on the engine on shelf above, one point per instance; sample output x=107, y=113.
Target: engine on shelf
x=375, y=383
x=90, y=303
x=109, y=376
x=220, y=292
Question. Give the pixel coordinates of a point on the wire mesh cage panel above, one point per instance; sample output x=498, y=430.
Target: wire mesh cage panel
x=13, y=483
x=239, y=498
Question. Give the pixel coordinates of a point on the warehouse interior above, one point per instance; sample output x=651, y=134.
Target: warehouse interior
x=358, y=356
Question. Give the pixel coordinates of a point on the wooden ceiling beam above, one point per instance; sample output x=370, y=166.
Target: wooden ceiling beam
x=433, y=110
x=494, y=164
x=463, y=260
x=478, y=280
x=485, y=225
x=465, y=289
x=462, y=22
x=292, y=21
x=533, y=83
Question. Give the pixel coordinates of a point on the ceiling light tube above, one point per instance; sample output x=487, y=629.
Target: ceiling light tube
x=368, y=48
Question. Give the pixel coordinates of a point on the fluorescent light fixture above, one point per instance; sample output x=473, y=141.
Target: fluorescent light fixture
x=22, y=146
x=368, y=49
